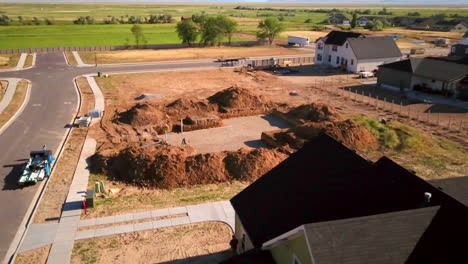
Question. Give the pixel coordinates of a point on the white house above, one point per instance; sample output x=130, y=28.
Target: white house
x=362, y=21
x=355, y=52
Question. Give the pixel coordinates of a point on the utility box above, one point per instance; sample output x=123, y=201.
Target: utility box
x=90, y=196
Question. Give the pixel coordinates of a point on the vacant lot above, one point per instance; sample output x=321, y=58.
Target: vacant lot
x=156, y=246
x=200, y=84
x=186, y=54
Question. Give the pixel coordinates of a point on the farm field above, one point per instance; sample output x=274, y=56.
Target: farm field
x=84, y=35
x=296, y=17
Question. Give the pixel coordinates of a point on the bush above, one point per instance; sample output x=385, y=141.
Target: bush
x=386, y=136
x=308, y=20
x=5, y=20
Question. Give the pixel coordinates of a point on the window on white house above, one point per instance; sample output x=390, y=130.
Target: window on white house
x=320, y=46
x=329, y=58
x=338, y=60
x=335, y=48
x=319, y=57
x=346, y=45
x=352, y=62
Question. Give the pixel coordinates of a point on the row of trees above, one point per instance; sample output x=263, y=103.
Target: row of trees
x=152, y=19
x=6, y=20
x=211, y=29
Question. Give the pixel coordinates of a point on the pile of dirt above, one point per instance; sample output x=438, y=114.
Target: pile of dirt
x=208, y=113
x=348, y=132
x=165, y=166
x=313, y=112
x=236, y=101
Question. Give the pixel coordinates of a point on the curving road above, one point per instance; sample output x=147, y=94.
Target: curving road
x=51, y=107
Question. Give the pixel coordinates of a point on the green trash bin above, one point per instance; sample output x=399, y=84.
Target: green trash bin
x=90, y=195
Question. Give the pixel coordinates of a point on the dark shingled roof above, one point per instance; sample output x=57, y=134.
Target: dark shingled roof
x=432, y=68
x=374, y=47
x=456, y=187
x=340, y=37
x=326, y=181
x=383, y=238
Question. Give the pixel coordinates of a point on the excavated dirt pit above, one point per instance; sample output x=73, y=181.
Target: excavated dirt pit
x=312, y=119
x=134, y=148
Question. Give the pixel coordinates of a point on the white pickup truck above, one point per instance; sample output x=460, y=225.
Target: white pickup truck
x=365, y=74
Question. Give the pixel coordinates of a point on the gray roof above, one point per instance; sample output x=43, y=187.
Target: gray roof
x=374, y=47
x=384, y=238
x=456, y=187
x=437, y=69
x=441, y=69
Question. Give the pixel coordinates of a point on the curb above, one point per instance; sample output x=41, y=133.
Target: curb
x=31, y=212
x=20, y=110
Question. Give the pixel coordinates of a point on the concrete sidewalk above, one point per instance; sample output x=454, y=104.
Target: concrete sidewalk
x=65, y=235
x=79, y=61
x=12, y=83
x=43, y=234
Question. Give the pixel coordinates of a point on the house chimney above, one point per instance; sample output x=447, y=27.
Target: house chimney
x=427, y=197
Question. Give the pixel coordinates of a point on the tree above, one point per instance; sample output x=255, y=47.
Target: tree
x=354, y=21
x=269, y=28
x=378, y=26
x=228, y=26
x=48, y=21
x=4, y=20
x=211, y=31
x=187, y=31
x=137, y=32
x=36, y=21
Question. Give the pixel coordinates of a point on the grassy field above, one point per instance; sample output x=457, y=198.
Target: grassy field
x=430, y=157
x=65, y=33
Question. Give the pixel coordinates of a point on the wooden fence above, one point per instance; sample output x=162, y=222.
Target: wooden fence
x=123, y=47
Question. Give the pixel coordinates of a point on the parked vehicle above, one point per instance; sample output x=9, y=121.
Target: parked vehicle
x=38, y=167
x=301, y=41
x=365, y=74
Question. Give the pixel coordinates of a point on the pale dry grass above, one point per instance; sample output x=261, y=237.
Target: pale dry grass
x=149, y=55
x=29, y=61
x=16, y=102
x=154, y=246
x=3, y=88
x=312, y=35
x=71, y=59
x=35, y=256
x=8, y=61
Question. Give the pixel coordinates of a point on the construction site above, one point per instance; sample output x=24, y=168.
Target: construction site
x=169, y=130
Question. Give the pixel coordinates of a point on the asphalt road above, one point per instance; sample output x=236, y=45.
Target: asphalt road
x=50, y=109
